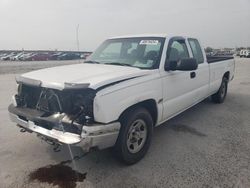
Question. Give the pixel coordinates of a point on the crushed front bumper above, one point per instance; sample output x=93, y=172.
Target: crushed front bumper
x=96, y=135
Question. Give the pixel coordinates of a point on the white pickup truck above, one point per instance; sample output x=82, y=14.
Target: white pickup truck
x=128, y=86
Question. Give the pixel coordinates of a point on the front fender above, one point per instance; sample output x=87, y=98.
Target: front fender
x=109, y=106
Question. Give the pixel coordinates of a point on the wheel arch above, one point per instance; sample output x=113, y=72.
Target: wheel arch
x=227, y=75
x=150, y=105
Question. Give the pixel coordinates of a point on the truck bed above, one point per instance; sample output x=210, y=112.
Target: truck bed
x=214, y=59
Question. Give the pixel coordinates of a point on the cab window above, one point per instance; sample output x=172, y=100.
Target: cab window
x=196, y=50
x=177, y=51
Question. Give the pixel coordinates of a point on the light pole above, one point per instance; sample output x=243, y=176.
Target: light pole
x=77, y=39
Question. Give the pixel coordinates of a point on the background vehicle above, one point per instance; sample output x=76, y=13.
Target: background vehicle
x=85, y=55
x=8, y=56
x=245, y=53
x=16, y=57
x=242, y=53
x=3, y=54
x=39, y=57
x=55, y=56
x=127, y=86
x=42, y=55
x=26, y=56
x=69, y=56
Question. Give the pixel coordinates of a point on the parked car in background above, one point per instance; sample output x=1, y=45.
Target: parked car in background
x=26, y=56
x=54, y=56
x=17, y=56
x=8, y=56
x=40, y=57
x=69, y=56
x=237, y=53
x=85, y=55
x=245, y=53
x=242, y=53
x=2, y=55
x=210, y=53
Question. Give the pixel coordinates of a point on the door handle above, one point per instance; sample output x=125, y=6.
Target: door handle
x=192, y=75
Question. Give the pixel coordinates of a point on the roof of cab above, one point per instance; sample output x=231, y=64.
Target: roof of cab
x=148, y=35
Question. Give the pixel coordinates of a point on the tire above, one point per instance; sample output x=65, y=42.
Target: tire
x=221, y=94
x=135, y=135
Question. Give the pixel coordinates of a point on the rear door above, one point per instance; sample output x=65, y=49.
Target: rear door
x=202, y=73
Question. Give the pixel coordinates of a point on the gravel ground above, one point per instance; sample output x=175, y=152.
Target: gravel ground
x=206, y=146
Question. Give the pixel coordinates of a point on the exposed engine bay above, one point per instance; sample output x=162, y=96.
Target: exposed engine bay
x=66, y=110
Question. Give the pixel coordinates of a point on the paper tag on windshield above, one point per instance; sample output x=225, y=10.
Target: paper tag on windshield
x=149, y=42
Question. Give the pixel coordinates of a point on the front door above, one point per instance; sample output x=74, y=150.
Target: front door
x=178, y=86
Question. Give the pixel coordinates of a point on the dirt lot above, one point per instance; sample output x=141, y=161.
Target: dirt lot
x=206, y=146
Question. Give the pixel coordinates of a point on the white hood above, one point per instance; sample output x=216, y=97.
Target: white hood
x=93, y=75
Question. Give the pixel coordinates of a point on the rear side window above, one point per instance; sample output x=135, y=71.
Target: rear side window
x=196, y=50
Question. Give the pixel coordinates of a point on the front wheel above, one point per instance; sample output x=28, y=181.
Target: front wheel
x=221, y=94
x=135, y=135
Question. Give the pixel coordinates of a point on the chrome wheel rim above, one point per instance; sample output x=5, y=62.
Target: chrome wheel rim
x=137, y=136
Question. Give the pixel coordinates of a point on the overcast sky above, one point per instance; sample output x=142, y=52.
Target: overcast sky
x=51, y=24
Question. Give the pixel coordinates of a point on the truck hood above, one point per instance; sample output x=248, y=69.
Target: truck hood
x=80, y=75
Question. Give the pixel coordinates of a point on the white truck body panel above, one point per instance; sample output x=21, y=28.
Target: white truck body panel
x=92, y=74
x=121, y=96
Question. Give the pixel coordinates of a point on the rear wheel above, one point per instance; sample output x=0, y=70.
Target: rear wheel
x=221, y=94
x=135, y=135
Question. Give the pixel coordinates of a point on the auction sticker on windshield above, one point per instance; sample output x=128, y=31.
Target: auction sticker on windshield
x=149, y=42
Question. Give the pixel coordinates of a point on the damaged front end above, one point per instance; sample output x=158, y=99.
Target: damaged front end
x=61, y=116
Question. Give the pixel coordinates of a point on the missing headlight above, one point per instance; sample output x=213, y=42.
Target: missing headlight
x=76, y=103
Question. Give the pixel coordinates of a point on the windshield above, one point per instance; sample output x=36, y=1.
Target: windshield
x=141, y=52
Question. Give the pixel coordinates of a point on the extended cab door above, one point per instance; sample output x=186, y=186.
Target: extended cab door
x=202, y=73
x=180, y=88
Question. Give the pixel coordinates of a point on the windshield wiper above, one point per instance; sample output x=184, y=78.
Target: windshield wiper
x=117, y=63
x=90, y=61
x=109, y=63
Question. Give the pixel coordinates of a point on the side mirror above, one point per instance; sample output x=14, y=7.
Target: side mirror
x=187, y=64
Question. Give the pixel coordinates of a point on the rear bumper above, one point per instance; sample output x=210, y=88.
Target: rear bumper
x=97, y=135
